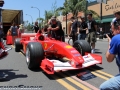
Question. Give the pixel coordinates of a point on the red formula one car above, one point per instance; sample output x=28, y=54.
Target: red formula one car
x=52, y=55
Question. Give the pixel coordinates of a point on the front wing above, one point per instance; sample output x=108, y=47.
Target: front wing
x=51, y=66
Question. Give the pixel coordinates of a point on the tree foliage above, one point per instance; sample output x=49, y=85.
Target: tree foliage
x=52, y=12
x=75, y=6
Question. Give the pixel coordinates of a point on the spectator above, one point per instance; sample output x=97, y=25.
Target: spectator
x=56, y=28
x=14, y=32
x=50, y=23
x=74, y=29
x=92, y=29
x=36, y=27
x=21, y=28
x=113, y=52
x=117, y=16
x=83, y=29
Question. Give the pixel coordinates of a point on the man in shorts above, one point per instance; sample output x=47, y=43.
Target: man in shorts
x=92, y=28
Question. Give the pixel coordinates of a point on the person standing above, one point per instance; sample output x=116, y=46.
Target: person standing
x=113, y=52
x=56, y=28
x=36, y=27
x=74, y=29
x=21, y=30
x=117, y=16
x=83, y=29
x=14, y=31
x=92, y=29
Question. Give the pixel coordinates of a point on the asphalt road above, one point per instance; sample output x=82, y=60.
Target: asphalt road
x=19, y=75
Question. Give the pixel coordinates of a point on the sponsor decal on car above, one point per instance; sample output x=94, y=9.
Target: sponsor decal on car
x=68, y=47
x=45, y=45
x=76, y=54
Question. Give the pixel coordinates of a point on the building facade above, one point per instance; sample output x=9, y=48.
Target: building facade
x=105, y=11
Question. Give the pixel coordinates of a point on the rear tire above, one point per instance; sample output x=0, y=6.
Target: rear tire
x=34, y=55
x=18, y=45
x=82, y=46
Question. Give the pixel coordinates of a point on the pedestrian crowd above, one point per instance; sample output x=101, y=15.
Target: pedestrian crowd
x=84, y=30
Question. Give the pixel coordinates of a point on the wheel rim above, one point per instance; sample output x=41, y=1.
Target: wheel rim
x=78, y=48
x=27, y=56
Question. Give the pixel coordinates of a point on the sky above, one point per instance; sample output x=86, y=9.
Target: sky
x=26, y=5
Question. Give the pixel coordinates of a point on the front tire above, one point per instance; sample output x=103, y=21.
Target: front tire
x=34, y=55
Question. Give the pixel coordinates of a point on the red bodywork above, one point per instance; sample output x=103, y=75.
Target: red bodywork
x=59, y=49
x=3, y=48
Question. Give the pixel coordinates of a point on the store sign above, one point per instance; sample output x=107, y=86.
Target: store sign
x=111, y=7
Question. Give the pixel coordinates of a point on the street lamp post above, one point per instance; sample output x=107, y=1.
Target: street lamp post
x=31, y=17
x=39, y=15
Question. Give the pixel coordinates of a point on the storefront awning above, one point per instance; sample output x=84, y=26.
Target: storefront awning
x=106, y=20
x=98, y=21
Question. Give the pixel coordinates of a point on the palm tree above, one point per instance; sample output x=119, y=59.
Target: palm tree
x=52, y=12
x=48, y=15
x=74, y=6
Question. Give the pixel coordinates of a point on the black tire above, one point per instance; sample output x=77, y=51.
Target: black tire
x=18, y=45
x=34, y=55
x=82, y=46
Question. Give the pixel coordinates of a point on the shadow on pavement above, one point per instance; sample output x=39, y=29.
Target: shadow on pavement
x=11, y=75
x=37, y=70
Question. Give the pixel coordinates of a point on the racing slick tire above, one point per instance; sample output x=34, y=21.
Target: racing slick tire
x=18, y=45
x=34, y=55
x=82, y=46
